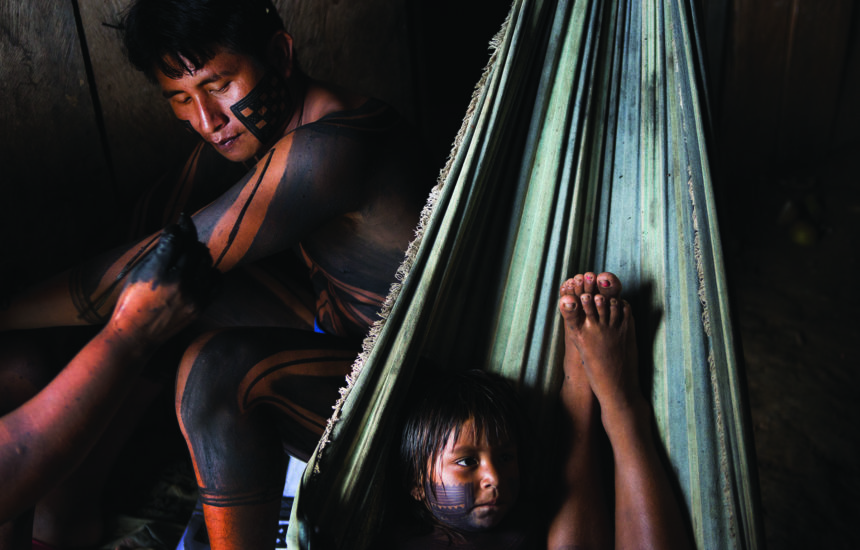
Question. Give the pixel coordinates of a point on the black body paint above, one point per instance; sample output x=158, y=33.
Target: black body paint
x=263, y=110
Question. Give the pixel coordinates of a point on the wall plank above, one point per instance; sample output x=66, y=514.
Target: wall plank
x=450, y=41
x=817, y=50
x=753, y=81
x=362, y=46
x=422, y=57
x=784, y=68
x=55, y=180
x=848, y=111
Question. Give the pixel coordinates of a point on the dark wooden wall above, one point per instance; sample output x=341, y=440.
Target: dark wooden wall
x=790, y=83
x=785, y=85
x=52, y=158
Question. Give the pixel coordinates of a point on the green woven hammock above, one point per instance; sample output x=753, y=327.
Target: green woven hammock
x=584, y=148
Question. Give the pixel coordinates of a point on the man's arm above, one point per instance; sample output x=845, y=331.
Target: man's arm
x=185, y=187
x=309, y=177
x=44, y=439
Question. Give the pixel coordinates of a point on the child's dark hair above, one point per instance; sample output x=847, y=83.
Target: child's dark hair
x=177, y=36
x=442, y=407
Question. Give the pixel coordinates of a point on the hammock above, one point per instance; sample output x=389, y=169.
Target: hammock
x=584, y=148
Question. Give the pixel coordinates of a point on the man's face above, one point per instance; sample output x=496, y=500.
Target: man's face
x=204, y=99
x=476, y=483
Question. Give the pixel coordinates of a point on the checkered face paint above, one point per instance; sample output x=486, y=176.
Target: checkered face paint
x=264, y=108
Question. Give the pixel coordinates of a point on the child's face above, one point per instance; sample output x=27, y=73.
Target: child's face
x=476, y=484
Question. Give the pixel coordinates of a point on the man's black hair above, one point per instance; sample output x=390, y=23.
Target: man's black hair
x=177, y=37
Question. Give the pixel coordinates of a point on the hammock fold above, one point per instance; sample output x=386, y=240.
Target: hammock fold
x=584, y=149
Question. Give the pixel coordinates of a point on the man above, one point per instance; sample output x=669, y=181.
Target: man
x=336, y=179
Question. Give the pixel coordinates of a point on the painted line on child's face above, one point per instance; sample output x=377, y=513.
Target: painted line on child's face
x=451, y=504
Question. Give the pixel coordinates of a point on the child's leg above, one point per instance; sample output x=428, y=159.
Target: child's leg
x=647, y=514
x=582, y=517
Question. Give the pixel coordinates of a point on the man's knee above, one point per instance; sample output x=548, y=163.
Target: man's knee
x=206, y=384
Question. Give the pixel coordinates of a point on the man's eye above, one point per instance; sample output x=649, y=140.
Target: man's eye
x=221, y=89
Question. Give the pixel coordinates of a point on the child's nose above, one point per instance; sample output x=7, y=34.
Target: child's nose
x=489, y=475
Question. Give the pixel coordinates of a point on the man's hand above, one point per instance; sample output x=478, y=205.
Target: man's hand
x=167, y=289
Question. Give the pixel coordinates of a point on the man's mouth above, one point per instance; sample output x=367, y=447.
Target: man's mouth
x=225, y=143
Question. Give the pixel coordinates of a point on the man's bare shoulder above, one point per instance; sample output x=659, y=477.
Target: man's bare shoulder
x=360, y=150
x=352, y=128
x=322, y=100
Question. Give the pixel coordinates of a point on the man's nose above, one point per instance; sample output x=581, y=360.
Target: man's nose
x=211, y=117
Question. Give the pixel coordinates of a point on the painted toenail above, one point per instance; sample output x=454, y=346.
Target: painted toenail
x=588, y=278
x=604, y=283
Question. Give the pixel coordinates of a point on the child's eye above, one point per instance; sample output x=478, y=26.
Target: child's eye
x=221, y=89
x=466, y=461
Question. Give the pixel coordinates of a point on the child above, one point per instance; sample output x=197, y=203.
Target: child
x=463, y=449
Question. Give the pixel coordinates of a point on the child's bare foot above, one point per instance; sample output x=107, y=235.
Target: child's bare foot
x=599, y=326
x=606, y=284
x=576, y=384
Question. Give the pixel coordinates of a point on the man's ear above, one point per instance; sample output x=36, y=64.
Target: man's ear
x=281, y=53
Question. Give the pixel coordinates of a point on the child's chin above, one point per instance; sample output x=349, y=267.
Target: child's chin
x=484, y=520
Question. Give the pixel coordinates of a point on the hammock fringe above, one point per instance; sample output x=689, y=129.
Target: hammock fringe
x=411, y=251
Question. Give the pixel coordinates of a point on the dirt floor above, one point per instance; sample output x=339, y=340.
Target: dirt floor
x=793, y=260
